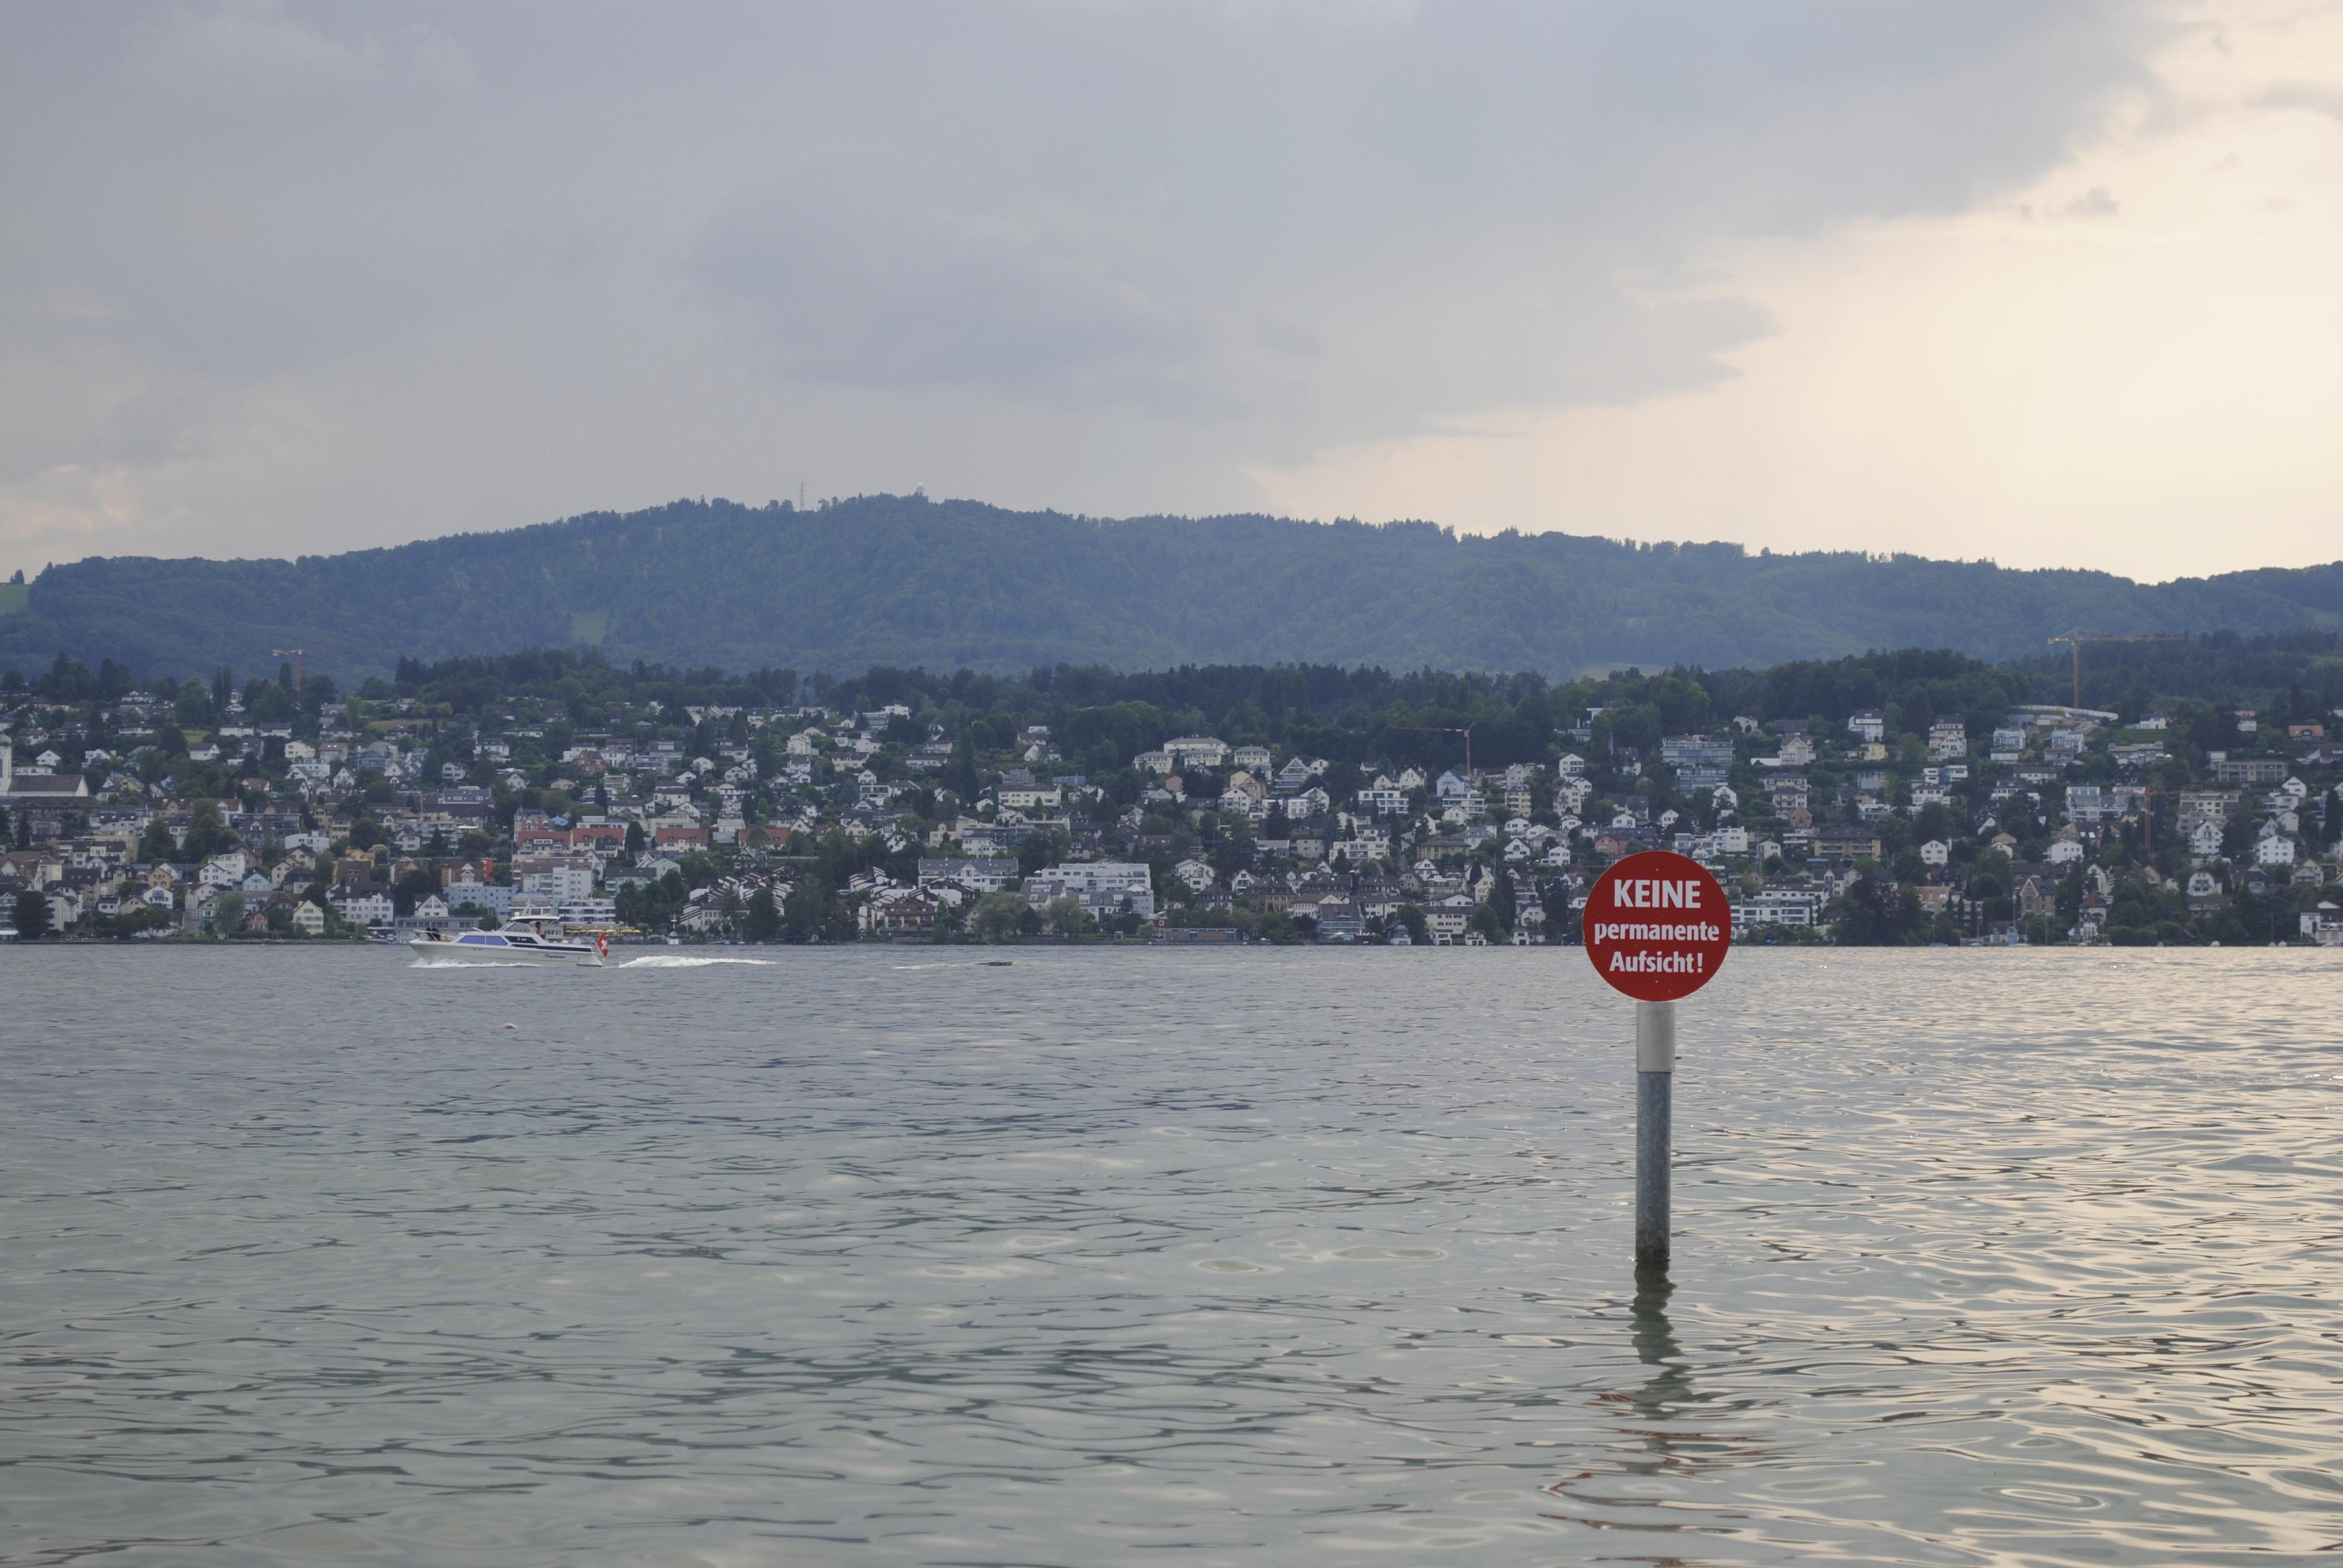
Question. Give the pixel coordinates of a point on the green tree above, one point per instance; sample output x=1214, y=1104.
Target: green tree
x=1873, y=914
x=1503, y=904
x=269, y=703
x=207, y=832
x=32, y=915
x=998, y=916
x=763, y=922
x=1040, y=851
x=1234, y=851
x=157, y=847
x=193, y=705
x=806, y=910
x=837, y=922
x=411, y=890
x=134, y=917
x=1067, y=917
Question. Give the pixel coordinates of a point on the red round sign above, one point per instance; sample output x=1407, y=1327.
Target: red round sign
x=1657, y=926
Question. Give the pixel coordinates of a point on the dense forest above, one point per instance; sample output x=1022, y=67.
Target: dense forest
x=904, y=581
x=1099, y=719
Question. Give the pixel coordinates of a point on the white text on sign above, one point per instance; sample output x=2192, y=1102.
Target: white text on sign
x=1658, y=963
x=1640, y=931
x=1654, y=893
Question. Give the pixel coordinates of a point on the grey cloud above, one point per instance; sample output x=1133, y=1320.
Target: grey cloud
x=1109, y=254
x=244, y=48
x=2319, y=98
x=1444, y=202
x=853, y=269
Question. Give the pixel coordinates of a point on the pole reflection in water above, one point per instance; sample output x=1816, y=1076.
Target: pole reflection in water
x=1656, y=1346
x=1661, y=1466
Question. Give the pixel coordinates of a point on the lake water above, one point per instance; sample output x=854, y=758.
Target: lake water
x=1264, y=1257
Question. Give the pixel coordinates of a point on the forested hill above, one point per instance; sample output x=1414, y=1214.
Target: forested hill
x=902, y=581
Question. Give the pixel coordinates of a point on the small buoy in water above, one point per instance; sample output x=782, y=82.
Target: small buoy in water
x=512, y=1026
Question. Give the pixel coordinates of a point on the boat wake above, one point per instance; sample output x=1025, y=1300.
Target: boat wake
x=684, y=961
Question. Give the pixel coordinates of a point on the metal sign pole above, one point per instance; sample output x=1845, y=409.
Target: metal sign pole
x=1655, y=1070
x=1658, y=928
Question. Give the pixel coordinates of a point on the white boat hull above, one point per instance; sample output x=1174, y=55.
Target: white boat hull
x=502, y=948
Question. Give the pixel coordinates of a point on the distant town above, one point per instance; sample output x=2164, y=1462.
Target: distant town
x=551, y=789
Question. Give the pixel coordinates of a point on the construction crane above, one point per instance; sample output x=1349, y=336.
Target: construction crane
x=294, y=655
x=2077, y=638
x=1443, y=729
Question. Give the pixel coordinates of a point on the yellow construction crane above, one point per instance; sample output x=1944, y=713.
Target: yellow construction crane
x=2077, y=638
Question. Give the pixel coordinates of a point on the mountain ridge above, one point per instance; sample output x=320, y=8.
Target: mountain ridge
x=904, y=581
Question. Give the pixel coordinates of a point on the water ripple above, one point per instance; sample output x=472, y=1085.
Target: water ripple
x=1270, y=1257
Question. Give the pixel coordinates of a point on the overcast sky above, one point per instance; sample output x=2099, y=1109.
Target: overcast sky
x=2050, y=283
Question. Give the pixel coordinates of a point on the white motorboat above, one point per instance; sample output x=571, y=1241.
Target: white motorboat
x=514, y=944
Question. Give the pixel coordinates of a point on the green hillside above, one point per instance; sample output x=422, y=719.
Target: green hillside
x=901, y=581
